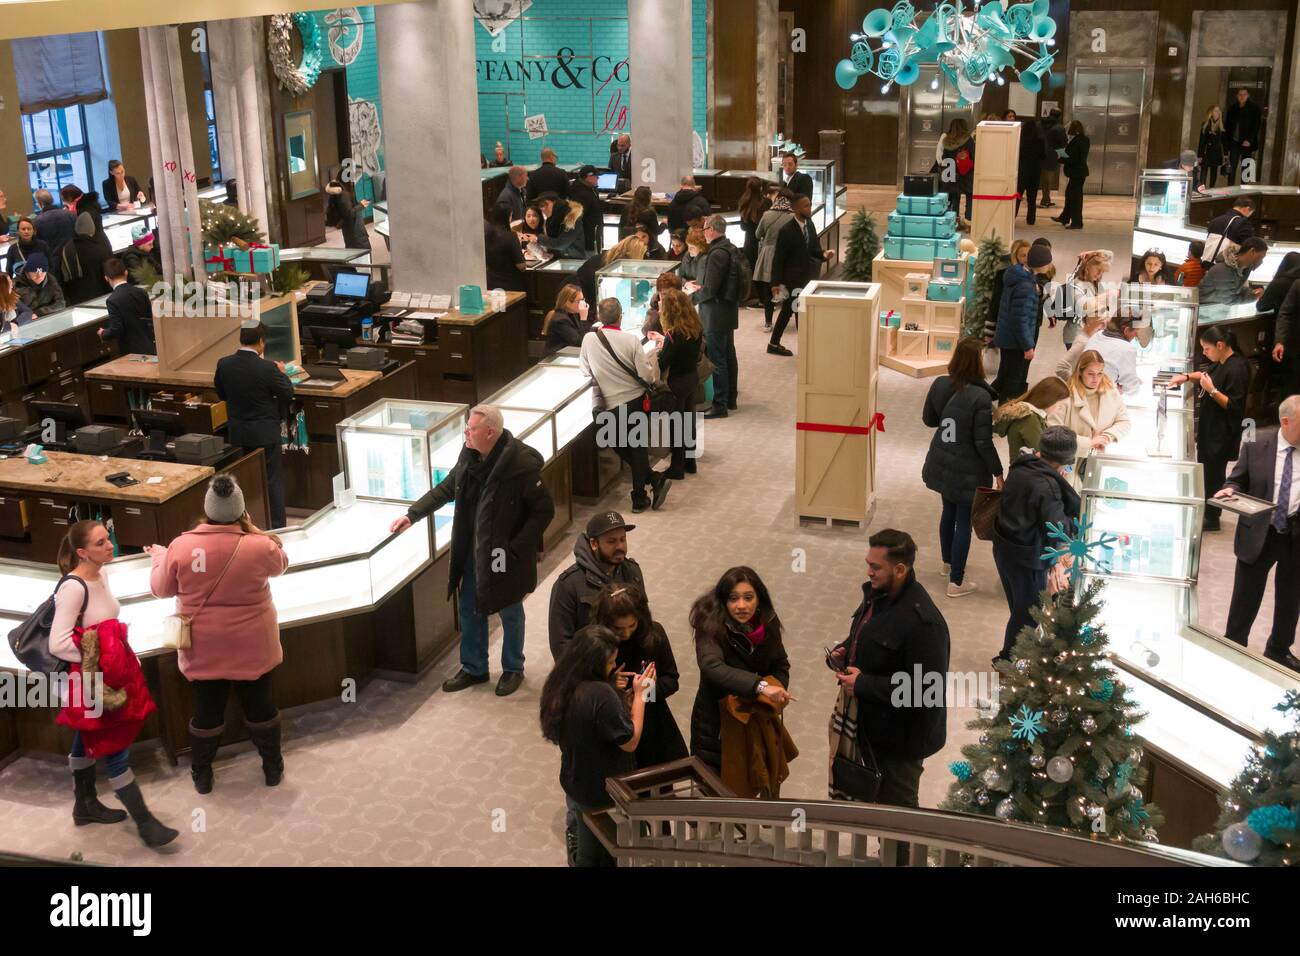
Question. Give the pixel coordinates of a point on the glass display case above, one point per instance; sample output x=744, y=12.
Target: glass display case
x=1158, y=434
x=632, y=282
x=1163, y=194
x=328, y=254
x=340, y=561
x=386, y=447
x=823, y=173
x=55, y=324
x=556, y=389
x=118, y=226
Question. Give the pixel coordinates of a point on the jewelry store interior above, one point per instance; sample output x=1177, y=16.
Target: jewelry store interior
x=325, y=160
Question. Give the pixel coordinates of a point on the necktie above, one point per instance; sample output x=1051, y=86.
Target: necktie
x=1283, y=494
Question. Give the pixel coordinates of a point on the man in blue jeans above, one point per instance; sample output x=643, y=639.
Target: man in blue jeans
x=502, y=509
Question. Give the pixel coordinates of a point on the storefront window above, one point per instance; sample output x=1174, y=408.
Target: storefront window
x=57, y=149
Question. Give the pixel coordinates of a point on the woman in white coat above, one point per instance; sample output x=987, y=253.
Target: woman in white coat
x=1095, y=409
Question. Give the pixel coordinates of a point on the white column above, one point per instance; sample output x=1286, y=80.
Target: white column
x=430, y=109
x=768, y=78
x=172, y=153
x=237, y=54
x=660, y=90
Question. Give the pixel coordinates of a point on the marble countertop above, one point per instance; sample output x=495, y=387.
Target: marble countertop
x=83, y=476
x=129, y=370
x=455, y=317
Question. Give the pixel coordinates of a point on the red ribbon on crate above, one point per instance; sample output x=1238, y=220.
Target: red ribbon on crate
x=1012, y=196
x=877, y=423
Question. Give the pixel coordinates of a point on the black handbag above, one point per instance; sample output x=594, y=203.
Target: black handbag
x=30, y=640
x=859, y=781
x=658, y=397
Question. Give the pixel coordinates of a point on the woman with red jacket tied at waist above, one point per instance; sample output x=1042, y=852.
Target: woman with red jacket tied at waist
x=219, y=574
x=105, y=720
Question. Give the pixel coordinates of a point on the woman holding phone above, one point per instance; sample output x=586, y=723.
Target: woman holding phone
x=597, y=732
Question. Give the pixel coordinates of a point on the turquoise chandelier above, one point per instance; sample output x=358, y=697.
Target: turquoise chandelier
x=971, y=46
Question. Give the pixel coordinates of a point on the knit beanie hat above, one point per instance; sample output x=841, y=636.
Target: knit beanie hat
x=224, y=502
x=85, y=224
x=1059, y=445
x=1039, y=256
x=141, y=235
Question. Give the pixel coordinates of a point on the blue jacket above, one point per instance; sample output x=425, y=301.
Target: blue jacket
x=1018, y=310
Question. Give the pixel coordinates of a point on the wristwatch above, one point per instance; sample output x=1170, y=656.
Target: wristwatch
x=762, y=686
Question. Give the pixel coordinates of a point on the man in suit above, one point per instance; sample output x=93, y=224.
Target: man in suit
x=583, y=191
x=1244, y=123
x=797, y=262
x=130, y=313
x=797, y=182
x=511, y=197
x=548, y=178
x=620, y=157
x=257, y=393
x=119, y=183
x=1268, y=468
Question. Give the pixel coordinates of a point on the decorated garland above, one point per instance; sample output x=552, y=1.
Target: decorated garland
x=296, y=78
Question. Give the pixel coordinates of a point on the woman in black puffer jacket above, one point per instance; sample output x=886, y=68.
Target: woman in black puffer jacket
x=961, y=456
x=737, y=645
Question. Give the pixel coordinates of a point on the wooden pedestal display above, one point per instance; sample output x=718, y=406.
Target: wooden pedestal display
x=189, y=346
x=925, y=349
x=996, y=161
x=835, y=446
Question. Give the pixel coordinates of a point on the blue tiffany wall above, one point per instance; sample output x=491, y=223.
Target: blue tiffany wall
x=359, y=57
x=566, y=60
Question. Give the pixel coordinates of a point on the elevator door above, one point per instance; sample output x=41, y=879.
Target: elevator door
x=1109, y=105
x=930, y=111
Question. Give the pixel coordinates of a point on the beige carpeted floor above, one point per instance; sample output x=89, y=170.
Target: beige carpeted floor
x=409, y=775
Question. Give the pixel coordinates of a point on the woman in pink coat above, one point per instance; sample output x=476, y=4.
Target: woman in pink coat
x=219, y=575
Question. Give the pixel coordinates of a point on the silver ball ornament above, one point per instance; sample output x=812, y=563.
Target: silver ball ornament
x=1088, y=725
x=1059, y=716
x=1135, y=756
x=984, y=739
x=982, y=798
x=1022, y=666
x=1062, y=657
x=1006, y=809
x=1037, y=761
x=1060, y=769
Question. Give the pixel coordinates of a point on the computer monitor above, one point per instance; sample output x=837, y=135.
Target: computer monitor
x=607, y=182
x=159, y=426
x=56, y=418
x=329, y=340
x=351, y=285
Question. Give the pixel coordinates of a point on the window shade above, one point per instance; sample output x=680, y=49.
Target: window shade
x=58, y=71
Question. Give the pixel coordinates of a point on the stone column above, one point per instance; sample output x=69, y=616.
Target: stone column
x=660, y=90
x=172, y=153
x=430, y=108
x=770, y=44
x=1291, y=157
x=237, y=54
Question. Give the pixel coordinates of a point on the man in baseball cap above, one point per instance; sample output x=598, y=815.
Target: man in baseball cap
x=600, y=558
x=583, y=190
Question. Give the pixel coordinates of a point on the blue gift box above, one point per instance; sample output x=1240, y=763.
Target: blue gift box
x=922, y=227
x=928, y=249
x=944, y=290
x=255, y=258
x=921, y=205
x=893, y=247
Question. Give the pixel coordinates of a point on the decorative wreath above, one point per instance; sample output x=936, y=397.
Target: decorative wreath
x=296, y=78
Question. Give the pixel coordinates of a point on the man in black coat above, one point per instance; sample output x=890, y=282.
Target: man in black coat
x=511, y=197
x=1268, y=468
x=257, y=394
x=502, y=510
x=797, y=262
x=600, y=558
x=548, y=177
x=583, y=191
x=1036, y=491
x=896, y=630
x=687, y=205
x=54, y=226
x=1243, y=121
x=718, y=302
x=130, y=313
x=800, y=184
x=1054, y=131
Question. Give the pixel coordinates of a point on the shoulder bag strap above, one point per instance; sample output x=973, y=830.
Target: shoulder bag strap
x=85, y=598
x=217, y=582
x=1223, y=237
x=600, y=334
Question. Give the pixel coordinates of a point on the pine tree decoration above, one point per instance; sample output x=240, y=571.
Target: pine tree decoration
x=1257, y=818
x=146, y=276
x=1060, y=751
x=224, y=224
x=863, y=247
x=987, y=260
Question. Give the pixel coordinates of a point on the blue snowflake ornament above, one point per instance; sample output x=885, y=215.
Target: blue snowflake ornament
x=1106, y=692
x=1077, y=546
x=1087, y=635
x=1122, y=774
x=1272, y=821
x=1138, y=813
x=961, y=769
x=1027, y=724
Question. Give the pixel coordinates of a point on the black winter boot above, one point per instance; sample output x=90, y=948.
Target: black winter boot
x=266, y=738
x=86, y=808
x=153, y=831
x=203, y=748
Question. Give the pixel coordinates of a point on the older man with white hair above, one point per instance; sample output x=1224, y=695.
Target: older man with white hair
x=502, y=509
x=1268, y=468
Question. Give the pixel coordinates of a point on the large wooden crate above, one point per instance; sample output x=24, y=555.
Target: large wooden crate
x=996, y=161
x=190, y=345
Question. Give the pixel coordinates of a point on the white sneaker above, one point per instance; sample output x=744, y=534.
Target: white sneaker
x=961, y=590
x=947, y=570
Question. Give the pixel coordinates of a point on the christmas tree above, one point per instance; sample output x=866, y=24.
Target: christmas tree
x=1257, y=819
x=1060, y=751
x=987, y=261
x=224, y=224
x=864, y=246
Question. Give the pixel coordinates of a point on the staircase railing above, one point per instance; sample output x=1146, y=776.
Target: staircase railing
x=682, y=814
